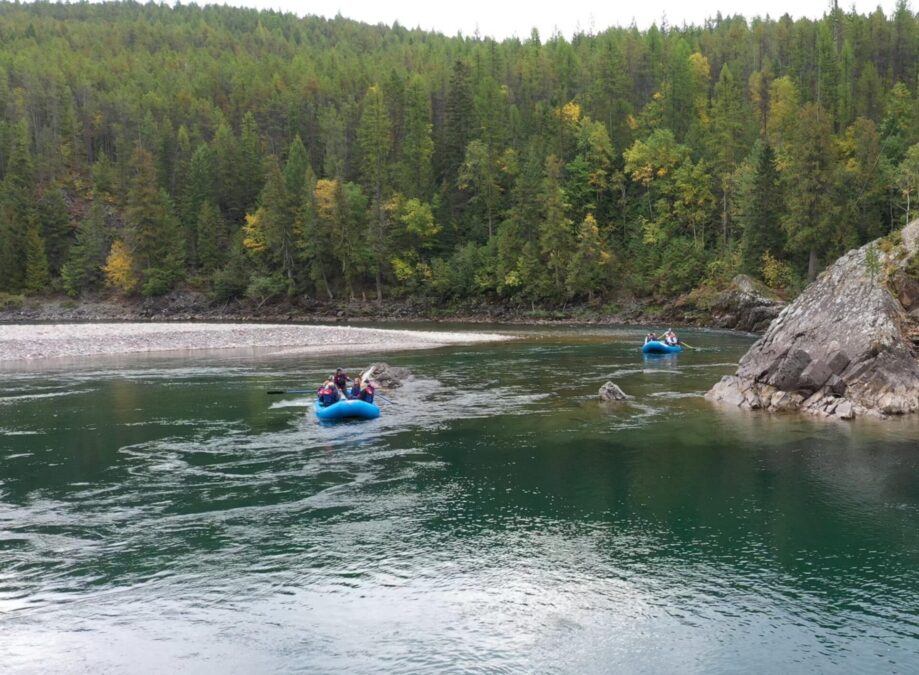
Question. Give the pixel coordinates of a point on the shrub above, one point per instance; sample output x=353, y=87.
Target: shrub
x=157, y=282
x=778, y=274
x=11, y=301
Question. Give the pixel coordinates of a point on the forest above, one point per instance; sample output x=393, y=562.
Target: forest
x=258, y=155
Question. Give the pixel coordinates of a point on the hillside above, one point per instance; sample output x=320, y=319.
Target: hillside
x=235, y=154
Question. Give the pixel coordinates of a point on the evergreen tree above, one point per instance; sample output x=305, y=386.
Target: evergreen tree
x=458, y=130
x=83, y=268
x=808, y=181
x=198, y=188
x=589, y=264
x=555, y=235
x=38, y=277
x=155, y=242
x=417, y=146
x=761, y=215
x=375, y=142
x=251, y=176
x=54, y=221
x=212, y=241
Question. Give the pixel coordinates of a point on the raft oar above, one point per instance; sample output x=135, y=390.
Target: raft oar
x=688, y=346
x=383, y=398
x=290, y=391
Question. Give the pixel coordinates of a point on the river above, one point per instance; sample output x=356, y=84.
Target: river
x=163, y=514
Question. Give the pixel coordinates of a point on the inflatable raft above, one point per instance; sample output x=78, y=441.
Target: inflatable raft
x=658, y=347
x=347, y=408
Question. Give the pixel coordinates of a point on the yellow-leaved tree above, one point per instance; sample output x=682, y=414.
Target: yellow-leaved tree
x=119, y=268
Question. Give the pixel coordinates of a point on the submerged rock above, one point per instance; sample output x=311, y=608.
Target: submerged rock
x=747, y=305
x=611, y=392
x=845, y=347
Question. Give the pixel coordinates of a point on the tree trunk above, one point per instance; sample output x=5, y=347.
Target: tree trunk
x=325, y=282
x=812, y=265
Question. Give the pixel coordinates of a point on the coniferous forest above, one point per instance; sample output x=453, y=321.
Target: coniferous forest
x=247, y=154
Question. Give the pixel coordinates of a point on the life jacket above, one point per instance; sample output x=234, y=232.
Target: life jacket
x=327, y=396
x=341, y=380
x=355, y=391
x=366, y=394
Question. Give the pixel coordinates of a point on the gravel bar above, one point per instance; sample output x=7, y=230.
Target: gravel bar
x=25, y=342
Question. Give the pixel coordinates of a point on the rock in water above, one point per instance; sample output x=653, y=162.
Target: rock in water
x=612, y=392
x=845, y=347
x=385, y=375
x=747, y=305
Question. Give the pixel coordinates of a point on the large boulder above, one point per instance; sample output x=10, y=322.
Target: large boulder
x=385, y=375
x=845, y=347
x=747, y=305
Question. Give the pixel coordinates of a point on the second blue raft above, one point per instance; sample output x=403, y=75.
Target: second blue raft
x=658, y=347
x=347, y=408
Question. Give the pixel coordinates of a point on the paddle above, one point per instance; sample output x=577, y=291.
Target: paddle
x=688, y=346
x=289, y=391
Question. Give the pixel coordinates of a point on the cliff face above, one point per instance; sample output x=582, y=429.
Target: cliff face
x=845, y=347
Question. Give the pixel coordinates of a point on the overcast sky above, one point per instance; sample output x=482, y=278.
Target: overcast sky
x=502, y=19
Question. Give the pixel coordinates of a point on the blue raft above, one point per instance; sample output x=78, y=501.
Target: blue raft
x=347, y=408
x=658, y=347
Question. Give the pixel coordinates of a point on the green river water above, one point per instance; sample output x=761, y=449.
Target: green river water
x=163, y=514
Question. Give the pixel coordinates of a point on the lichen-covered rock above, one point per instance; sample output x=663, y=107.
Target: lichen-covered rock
x=844, y=348
x=611, y=392
x=746, y=305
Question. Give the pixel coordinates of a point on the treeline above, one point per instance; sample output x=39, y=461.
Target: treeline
x=256, y=154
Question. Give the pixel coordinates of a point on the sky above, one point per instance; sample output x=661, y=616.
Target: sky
x=502, y=19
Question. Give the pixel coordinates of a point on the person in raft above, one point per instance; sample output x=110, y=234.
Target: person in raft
x=670, y=338
x=366, y=392
x=650, y=337
x=340, y=379
x=355, y=389
x=328, y=393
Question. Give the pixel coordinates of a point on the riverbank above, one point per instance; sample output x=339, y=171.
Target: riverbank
x=741, y=305
x=27, y=342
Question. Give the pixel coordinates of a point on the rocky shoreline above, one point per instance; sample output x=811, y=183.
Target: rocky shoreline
x=743, y=305
x=847, y=347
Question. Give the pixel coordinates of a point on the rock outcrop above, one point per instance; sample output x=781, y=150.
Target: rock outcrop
x=846, y=347
x=612, y=392
x=746, y=305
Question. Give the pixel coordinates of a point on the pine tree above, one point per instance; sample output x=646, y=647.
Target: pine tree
x=156, y=244
x=417, y=146
x=458, y=130
x=16, y=193
x=227, y=165
x=374, y=137
x=38, y=277
x=555, y=235
x=83, y=268
x=479, y=175
x=590, y=261
x=761, y=215
x=251, y=162
x=212, y=241
x=198, y=188
x=54, y=220
x=809, y=219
